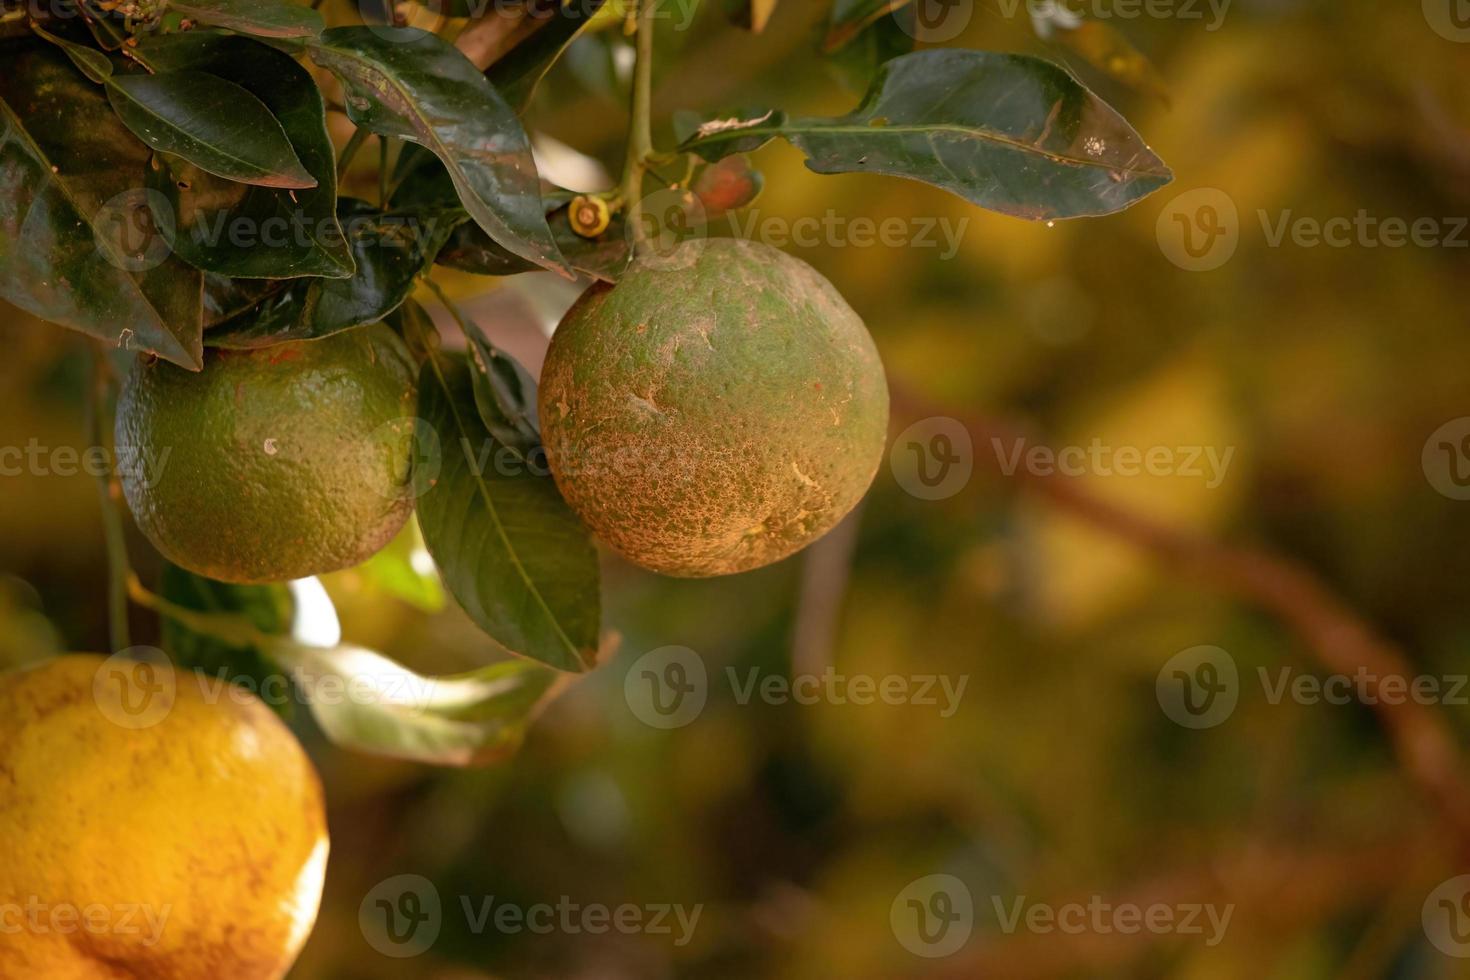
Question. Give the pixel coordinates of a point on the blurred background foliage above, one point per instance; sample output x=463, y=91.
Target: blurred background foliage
x=1059, y=777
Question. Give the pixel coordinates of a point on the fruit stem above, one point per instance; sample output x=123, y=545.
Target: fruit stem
x=112, y=526
x=230, y=628
x=640, y=129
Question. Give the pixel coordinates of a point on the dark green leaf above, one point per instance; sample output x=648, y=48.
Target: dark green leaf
x=108, y=27
x=422, y=183
x=508, y=547
x=268, y=18
x=89, y=61
x=366, y=702
x=77, y=246
x=213, y=123
x=505, y=392
x=517, y=74
x=269, y=608
x=244, y=230
x=1010, y=133
x=412, y=85
x=390, y=250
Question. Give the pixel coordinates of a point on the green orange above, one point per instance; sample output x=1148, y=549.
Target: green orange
x=717, y=410
x=275, y=463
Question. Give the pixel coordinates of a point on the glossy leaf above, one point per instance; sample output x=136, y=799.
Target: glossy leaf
x=245, y=230
x=107, y=26
x=267, y=18
x=516, y=75
x=390, y=250
x=422, y=183
x=382, y=708
x=505, y=392
x=213, y=123
x=89, y=61
x=1010, y=133
x=509, y=549
x=77, y=246
x=412, y=85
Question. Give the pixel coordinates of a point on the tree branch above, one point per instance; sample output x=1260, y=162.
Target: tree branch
x=1338, y=638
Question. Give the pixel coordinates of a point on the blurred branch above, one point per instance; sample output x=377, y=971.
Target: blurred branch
x=825, y=569
x=1339, y=639
x=108, y=492
x=1278, y=888
x=488, y=39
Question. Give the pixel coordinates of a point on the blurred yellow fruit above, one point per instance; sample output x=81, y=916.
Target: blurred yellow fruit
x=155, y=824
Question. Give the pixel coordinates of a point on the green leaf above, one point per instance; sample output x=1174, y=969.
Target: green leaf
x=509, y=549
x=423, y=183
x=77, y=246
x=366, y=702
x=213, y=123
x=245, y=230
x=1010, y=133
x=516, y=75
x=89, y=61
x=505, y=392
x=267, y=18
x=414, y=86
x=269, y=608
x=108, y=27
x=390, y=250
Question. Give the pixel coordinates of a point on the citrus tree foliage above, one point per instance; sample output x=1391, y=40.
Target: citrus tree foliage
x=134, y=140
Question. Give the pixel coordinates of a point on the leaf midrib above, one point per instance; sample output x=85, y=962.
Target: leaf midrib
x=113, y=86
x=499, y=525
x=803, y=126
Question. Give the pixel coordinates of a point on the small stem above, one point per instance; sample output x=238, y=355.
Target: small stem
x=112, y=526
x=382, y=172
x=350, y=150
x=230, y=628
x=640, y=130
